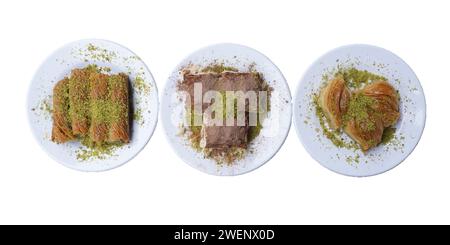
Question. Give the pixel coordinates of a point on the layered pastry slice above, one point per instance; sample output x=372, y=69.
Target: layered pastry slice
x=119, y=129
x=363, y=114
x=62, y=128
x=221, y=138
x=387, y=101
x=370, y=111
x=80, y=100
x=362, y=123
x=100, y=104
x=93, y=107
x=333, y=100
x=109, y=108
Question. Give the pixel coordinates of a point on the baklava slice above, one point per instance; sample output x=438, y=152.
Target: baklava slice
x=371, y=110
x=62, y=128
x=79, y=97
x=100, y=110
x=387, y=101
x=333, y=100
x=119, y=129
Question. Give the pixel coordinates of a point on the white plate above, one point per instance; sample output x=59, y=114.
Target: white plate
x=275, y=127
x=408, y=129
x=104, y=54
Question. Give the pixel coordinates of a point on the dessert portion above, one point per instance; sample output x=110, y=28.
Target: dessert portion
x=386, y=101
x=119, y=129
x=372, y=109
x=334, y=100
x=92, y=107
x=79, y=105
x=365, y=112
x=221, y=82
x=99, y=127
x=62, y=125
x=224, y=135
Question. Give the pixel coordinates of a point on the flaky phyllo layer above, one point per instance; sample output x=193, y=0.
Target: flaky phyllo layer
x=364, y=112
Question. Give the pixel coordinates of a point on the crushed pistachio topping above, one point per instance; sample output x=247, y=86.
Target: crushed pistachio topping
x=100, y=54
x=355, y=78
x=218, y=68
x=141, y=86
x=193, y=133
x=92, y=150
x=101, y=109
x=359, y=109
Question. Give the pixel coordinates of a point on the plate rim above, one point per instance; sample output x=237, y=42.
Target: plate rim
x=173, y=145
x=152, y=128
x=297, y=123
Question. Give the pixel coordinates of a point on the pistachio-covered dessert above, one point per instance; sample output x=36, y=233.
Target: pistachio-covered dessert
x=92, y=107
x=362, y=104
x=239, y=118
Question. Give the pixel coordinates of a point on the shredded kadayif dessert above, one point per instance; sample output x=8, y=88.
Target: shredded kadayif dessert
x=92, y=107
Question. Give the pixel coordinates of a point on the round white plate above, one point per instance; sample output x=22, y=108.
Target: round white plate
x=77, y=55
x=408, y=129
x=275, y=127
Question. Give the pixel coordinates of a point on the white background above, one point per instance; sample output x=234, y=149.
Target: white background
x=158, y=188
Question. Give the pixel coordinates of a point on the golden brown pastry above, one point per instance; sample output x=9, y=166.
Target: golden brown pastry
x=367, y=133
x=93, y=107
x=333, y=100
x=119, y=129
x=61, y=131
x=98, y=131
x=370, y=111
x=79, y=101
x=387, y=101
